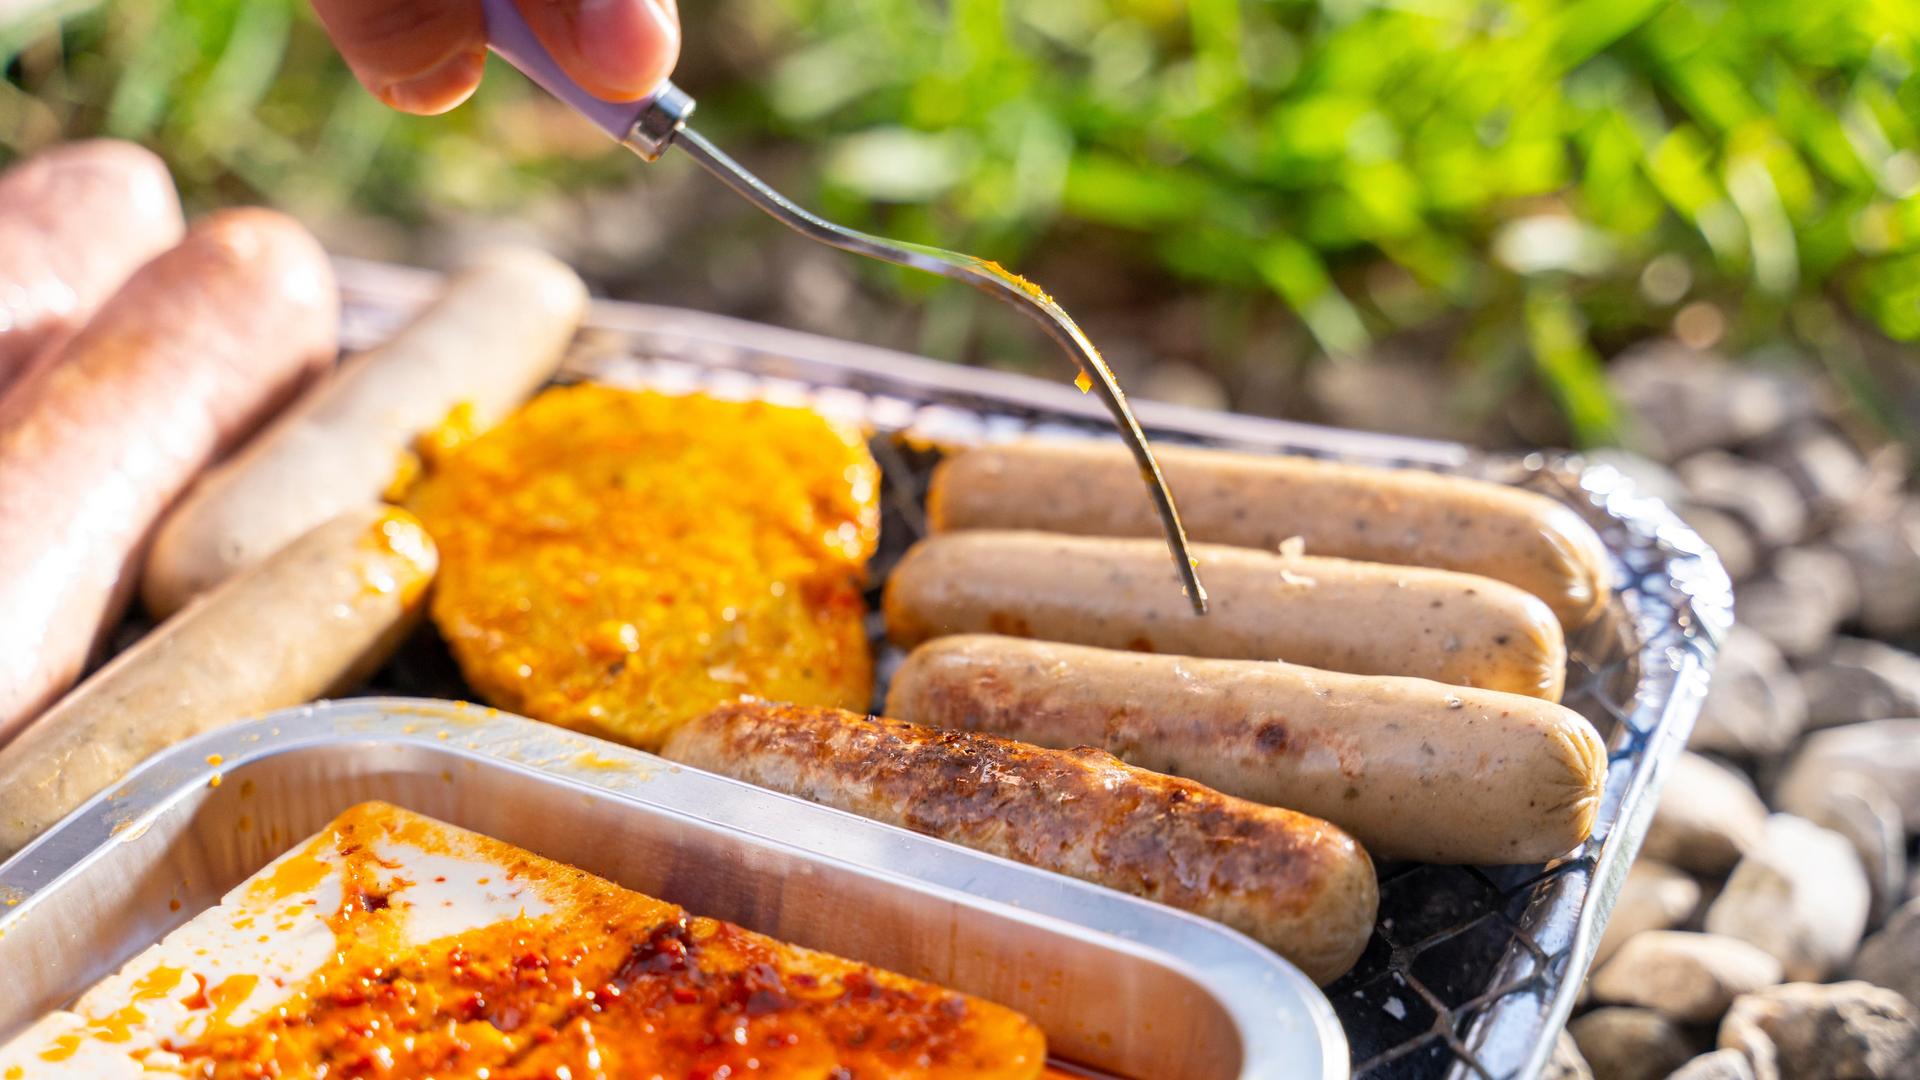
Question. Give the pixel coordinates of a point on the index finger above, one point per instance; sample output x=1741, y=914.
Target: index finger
x=419, y=56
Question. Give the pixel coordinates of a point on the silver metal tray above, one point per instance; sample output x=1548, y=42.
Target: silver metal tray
x=1472, y=970
x=1120, y=985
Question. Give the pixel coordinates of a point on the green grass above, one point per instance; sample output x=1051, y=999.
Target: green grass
x=1562, y=176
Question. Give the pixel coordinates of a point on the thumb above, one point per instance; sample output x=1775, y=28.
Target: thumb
x=619, y=50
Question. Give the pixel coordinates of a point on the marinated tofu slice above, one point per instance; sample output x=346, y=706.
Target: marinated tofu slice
x=621, y=562
x=394, y=945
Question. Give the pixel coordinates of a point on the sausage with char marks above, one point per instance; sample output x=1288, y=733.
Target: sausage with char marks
x=1292, y=882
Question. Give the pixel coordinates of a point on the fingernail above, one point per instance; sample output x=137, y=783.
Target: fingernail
x=631, y=44
x=441, y=87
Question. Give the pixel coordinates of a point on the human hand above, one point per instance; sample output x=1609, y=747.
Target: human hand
x=425, y=56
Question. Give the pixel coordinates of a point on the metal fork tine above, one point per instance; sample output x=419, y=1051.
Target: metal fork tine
x=989, y=277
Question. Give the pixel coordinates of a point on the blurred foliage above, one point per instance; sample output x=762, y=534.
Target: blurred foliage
x=1552, y=179
x=1561, y=173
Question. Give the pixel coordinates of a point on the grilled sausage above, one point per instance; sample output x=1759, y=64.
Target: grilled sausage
x=198, y=347
x=74, y=222
x=1401, y=516
x=495, y=334
x=1364, y=618
x=1294, y=883
x=1413, y=769
x=314, y=619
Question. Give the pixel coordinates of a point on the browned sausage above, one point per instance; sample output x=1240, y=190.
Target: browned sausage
x=195, y=350
x=1413, y=769
x=74, y=222
x=1364, y=618
x=1403, y=516
x=1295, y=883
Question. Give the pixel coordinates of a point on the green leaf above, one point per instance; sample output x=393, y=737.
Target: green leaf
x=1569, y=366
x=1301, y=279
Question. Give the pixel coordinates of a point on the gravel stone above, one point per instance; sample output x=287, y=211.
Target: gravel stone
x=1859, y=680
x=1718, y=1065
x=1566, y=1063
x=1630, y=1044
x=1806, y=1031
x=1891, y=957
x=1757, y=493
x=1886, y=750
x=1800, y=894
x=1858, y=808
x=1801, y=601
x=1729, y=538
x=1754, y=705
x=1884, y=555
x=1707, y=819
x=1826, y=468
x=1688, y=400
x=1655, y=896
x=1684, y=976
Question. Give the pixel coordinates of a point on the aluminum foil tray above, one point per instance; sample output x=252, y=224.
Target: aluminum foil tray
x=1471, y=971
x=1179, y=998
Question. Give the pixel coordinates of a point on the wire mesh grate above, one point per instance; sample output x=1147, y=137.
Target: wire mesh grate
x=1471, y=970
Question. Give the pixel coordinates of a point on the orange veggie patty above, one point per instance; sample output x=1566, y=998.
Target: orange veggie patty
x=621, y=562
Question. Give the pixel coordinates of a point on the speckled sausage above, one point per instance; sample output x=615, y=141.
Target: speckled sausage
x=1295, y=883
x=1402, y=516
x=194, y=351
x=1364, y=618
x=489, y=340
x=75, y=221
x=1414, y=769
x=314, y=619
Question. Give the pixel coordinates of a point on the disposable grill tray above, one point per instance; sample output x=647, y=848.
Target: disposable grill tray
x=1471, y=970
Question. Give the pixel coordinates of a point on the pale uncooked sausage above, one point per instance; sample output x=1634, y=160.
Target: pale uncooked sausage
x=1364, y=618
x=1405, y=516
x=492, y=337
x=315, y=618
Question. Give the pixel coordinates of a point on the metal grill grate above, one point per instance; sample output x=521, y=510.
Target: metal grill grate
x=1471, y=970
